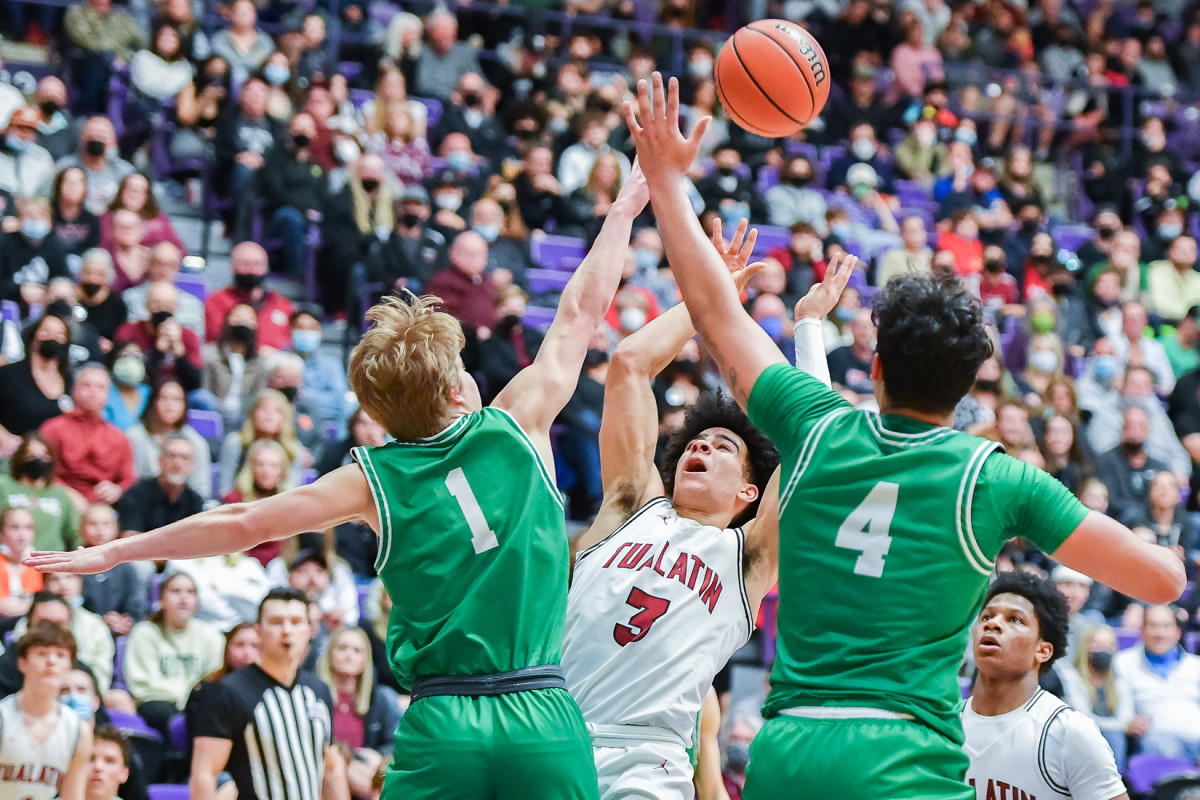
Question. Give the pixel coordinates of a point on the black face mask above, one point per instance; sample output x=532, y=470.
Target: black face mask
x=410, y=219
x=594, y=358
x=370, y=184
x=35, y=469
x=290, y=393
x=159, y=317
x=91, y=289
x=1101, y=660
x=1106, y=233
x=48, y=108
x=1029, y=226
x=799, y=180
x=992, y=387
x=994, y=266
x=247, y=282
x=94, y=148
x=1106, y=304
x=1132, y=448
x=472, y=100
x=60, y=308
x=508, y=323
x=51, y=350
x=300, y=139
x=687, y=367
x=726, y=171
x=242, y=333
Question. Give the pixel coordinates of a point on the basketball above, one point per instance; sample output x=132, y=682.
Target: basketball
x=772, y=77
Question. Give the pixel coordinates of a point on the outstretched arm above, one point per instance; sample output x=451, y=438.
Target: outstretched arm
x=1107, y=551
x=741, y=348
x=341, y=496
x=539, y=392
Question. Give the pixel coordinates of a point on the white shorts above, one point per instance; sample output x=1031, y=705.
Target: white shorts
x=647, y=771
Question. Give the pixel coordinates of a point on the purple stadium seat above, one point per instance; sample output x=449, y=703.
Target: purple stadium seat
x=359, y=97
x=770, y=238
x=549, y=251
x=964, y=687
x=194, y=285
x=1128, y=637
x=1071, y=237
x=1191, y=641
x=539, y=317
x=364, y=590
x=133, y=725
x=307, y=476
x=434, y=107
x=118, y=678
x=11, y=311
x=178, y=731
x=169, y=791
x=568, y=264
x=208, y=424
x=542, y=281
x=768, y=176
x=1146, y=768
x=805, y=149
x=910, y=191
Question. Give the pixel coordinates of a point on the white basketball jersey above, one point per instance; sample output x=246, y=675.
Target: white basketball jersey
x=1042, y=750
x=653, y=613
x=31, y=771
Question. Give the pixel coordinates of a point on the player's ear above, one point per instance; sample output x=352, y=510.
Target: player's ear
x=1043, y=652
x=876, y=369
x=748, y=494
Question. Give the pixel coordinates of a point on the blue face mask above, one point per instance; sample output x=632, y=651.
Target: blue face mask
x=646, y=259
x=276, y=74
x=81, y=704
x=35, y=229
x=306, y=342
x=489, y=232
x=734, y=213
x=844, y=314
x=16, y=145
x=459, y=160
x=967, y=136
x=1169, y=231
x=1105, y=367
x=841, y=230
x=773, y=326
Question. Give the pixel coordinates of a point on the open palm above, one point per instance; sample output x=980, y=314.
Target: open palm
x=737, y=253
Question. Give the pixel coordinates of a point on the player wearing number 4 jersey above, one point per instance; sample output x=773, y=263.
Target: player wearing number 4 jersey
x=473, y=547
x=889, y=522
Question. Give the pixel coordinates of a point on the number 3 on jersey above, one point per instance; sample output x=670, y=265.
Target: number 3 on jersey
x=866, y=529
x=482, y=536
x=651, y=609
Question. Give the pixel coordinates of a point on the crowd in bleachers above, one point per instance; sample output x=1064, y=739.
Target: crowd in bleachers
x=1044, y=151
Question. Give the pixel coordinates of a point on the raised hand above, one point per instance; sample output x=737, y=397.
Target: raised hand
x=634, y=194
x=823, y=297
x=665, y=153
x=736, y=253
x=84, y=561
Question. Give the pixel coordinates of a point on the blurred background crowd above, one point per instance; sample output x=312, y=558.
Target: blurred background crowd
x=198, y=199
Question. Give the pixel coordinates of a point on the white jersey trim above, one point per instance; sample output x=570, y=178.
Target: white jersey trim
x=537, y=457
x=966, y=495
x=652, y=503
x=741, y=540
x=362, y=456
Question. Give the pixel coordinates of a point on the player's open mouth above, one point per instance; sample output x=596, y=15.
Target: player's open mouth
x=989, y=644
x=694, y=464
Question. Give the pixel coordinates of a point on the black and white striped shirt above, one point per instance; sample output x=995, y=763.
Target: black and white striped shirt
x=279, y=733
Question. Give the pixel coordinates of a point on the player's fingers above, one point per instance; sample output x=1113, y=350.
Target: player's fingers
x=659, y=99
x=631, y=119
x=748, y=247
x=673, y=102
x=698, y=132
x=739, y=234
x=717, y=239
x=643, y=100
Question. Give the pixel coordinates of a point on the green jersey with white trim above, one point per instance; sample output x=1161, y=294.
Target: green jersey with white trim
x=473, y=549
x=888, y=532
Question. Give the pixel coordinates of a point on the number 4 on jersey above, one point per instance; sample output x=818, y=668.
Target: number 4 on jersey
x=866, y=529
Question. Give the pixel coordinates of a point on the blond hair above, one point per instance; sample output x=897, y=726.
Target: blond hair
x=1082, y=667
x=244, y=482
x=404, y=365
x=365, y=683
x=287, y=438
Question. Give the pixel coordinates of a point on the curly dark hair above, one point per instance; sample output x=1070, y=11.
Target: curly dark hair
x=931, y=341
x=1048, y=604
x=718, y=410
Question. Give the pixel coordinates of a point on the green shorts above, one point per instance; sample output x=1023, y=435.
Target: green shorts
x=796, y=757
x=510, y=747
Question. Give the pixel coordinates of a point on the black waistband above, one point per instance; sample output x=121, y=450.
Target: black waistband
x=519, y=680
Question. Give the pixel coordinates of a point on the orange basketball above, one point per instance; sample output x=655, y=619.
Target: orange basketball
x=772, y=77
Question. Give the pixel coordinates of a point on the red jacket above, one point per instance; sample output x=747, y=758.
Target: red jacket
x=470, y=301
x=88, y=450
x=273, y=312
x=142, y=334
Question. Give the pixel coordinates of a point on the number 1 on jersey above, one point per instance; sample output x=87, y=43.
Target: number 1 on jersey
x=866, y=529
x=482, y=536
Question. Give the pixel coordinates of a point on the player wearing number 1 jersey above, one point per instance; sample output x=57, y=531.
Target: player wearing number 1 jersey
x=889, y=522
x=473, y=547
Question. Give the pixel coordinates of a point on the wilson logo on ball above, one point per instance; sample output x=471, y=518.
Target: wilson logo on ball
x=807, y=50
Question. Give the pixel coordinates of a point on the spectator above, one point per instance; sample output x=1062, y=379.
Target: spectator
x=508, y=242
x=229, y=588
x=21, y=582
x=1064, y=455
x=365, y=714
x=242, y=44
x=57, y=128
x=1127, y=469
x=31, y=256
x=198, y=108
x=512, y=346
x=96, y=648
x=171, y=350
x=391, y=90
x=165, y=262
x=31, y=486
x=104, y=310
x=127, y=393
x=1174, y=284
x=472, y=113
x=997, y=289
x=131, y=259
x=915, y=61
x=166, y=414
x=264, y=474
x=97, y=157
x=325, y=579
x=769, y=311
x=234, y=714
x=374, y=624
x=728, y=192
x=246, y=135
x=864, y=149
x=1125, y=260
x=108, y=38
x=364, y=432
x=324, y=387
x=232, y=369
x=135, y=194
x=44, y=607
x=157, y=75
x=793, y=200
x=26, y=169
x=861, y=105
x=1168, y=520
x=915, y=256
x=111, y=758
x=35, y=715
x=117, y=595
x=1136, y=391
x=588, y=205
x=248, y=261
x=168, y=653
x=268, y=417
x=315, y=64
x=1182, y=345
x=850, y=366
x=742, y=730
x=579, y=444
x=76, y=227
x=35, y=390
x=295, y=190
x=466, y=291
x=154, y=502
x=920, y=156
x=414, y=252
x=539, y=193
x=1094, y=687
x=443, y=63
x=1135, y=348
x=1165, y=684
x=93, y=457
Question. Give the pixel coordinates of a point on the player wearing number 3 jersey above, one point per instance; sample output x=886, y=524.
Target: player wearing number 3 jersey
x=889, y=522
x=473, y=547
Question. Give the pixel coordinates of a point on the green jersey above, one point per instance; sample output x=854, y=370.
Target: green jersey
x=888, y=532
x=473, y=549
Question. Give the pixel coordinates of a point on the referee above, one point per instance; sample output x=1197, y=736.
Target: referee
x=268, y=724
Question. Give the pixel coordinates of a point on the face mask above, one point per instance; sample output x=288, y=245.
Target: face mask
x=844, y=314
x=90, y=289
x=300, y=140
x=370, y=184
x=35, y=469
x=48, y=108
x=726, y=171
x=557, y=125
x=991, y=387
x=967, y=136
x=410, y=219
x=1042, y=322
x=700, y=69
x=840, y=229
x=803, y=179
x=1044, y=361
x=1029, y=227
x=925, y=135
x=246, y=281
x=94, y=148
x=861, y=190
x=773, y=326
x=1132, y=448
x=276, y=74
x=159, y=317
x=1105, y=367
x=35, y=229
x=632, y=319
x=458, y=160
x=472, y=100
x=176, y=478
x=81, y=704
x=16, y=145
x=1106, y=233
x=995, y=265
x=51, y=350
x=737, y=756
x=645, y=258
x=1169, y=230
x=290, y=393
x=507, y=323
x=734, y=213
x=594, y=357
x=346, y=151
x=1106, y=304
x=1101, y=660
x=129, y=371
x=306, y=342
x=489, y=232
x=241, y=333
x=687, y=367
x=473, y=118
x=448, y=201
x=60, y=308
x=863, y=149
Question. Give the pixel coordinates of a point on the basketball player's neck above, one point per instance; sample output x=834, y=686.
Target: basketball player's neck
x=715, y=519
x=38, y=699
x=999, y=694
